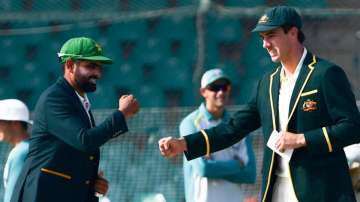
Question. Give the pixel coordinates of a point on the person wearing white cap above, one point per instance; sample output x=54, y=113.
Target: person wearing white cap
x=216, y=177
x=14, y=120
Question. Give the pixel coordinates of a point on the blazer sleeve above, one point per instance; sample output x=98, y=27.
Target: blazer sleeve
x=230, y=170
x=225, y=134
x=64, y=122
x=341, y=106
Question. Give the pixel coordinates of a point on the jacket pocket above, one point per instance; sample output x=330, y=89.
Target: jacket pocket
x=56, y=173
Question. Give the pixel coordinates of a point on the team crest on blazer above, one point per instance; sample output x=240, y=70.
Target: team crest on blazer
x=309, y=105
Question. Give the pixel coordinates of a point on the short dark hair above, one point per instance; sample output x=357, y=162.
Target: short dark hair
x=301, y=35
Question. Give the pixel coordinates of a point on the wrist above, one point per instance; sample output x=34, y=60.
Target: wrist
x=301, y=140
x=125, y=114
x=183, y=143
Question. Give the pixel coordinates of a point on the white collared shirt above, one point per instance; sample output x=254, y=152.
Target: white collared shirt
x=85, y=103
x=286, y=89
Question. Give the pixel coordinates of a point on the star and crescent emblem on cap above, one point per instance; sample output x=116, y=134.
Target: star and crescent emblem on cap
x=263, y=19
x=98, y=47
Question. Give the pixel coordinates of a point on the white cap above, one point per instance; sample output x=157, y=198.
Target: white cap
x=14, y=110
x=213, y=75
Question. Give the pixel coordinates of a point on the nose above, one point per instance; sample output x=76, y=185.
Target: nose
x=98, y=71
x=266, y=44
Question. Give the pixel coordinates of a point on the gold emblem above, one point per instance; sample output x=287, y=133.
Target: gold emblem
x=98, y=47
x=309, y=106
x=263, y=19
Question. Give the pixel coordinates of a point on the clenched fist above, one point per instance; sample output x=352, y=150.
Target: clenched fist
x=128, y=105
x=170, y=147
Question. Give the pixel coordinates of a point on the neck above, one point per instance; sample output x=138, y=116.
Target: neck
x=217, y=112
x=292, y=60
x=19, y=138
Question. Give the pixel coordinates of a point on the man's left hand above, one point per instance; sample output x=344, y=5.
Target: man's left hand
x=101, y=185
x=289, y=140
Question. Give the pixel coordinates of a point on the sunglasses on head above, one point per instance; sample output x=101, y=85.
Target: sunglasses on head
x=218, y=87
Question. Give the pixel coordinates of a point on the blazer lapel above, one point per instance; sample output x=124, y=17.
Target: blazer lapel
x=301, y=81
x=75, y=99
x=274, y=96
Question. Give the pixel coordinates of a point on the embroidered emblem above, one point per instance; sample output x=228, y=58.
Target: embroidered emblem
x=309, y=106
x=98, y=47
x=263, y=19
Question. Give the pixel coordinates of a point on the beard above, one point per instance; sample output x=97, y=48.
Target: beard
x=87, y=84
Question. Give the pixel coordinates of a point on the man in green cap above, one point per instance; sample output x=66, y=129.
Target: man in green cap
x=308, y=114
x=63, y=160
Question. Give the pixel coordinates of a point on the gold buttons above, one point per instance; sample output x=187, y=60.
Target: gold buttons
x=91, y=158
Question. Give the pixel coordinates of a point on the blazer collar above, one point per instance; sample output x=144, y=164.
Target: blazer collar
x=70, y=91
x=304, y=75
x=305, y=72
x=274, y=97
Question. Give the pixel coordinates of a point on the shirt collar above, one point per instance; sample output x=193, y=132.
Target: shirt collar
x=297, y=70
x=84, y=101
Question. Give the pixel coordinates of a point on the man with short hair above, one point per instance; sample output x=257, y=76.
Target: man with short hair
x=63, y=159
x=308, y=114
x=216, y=177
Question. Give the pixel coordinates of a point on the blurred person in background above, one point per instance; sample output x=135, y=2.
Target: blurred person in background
x=353, y=156
x=217, y=177
x=307, y=112
x=14, y=122
x=63, y=160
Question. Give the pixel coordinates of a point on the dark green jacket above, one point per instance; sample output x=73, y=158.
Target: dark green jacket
x=323, y=107
x=63, y=155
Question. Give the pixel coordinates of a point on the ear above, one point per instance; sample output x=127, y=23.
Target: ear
x=69, y=65
x=202, y=92
x=294, y=31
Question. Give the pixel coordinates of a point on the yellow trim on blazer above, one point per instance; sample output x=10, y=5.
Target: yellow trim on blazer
x=311, y=67
x=269, y=176
x=309, y=93
x=327, y=139
x=207, y=143
x=271, y=99
x=68, y=177
x=274, y=128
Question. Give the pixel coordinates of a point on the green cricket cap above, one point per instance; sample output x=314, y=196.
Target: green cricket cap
x=82, y=48
x=276, y=17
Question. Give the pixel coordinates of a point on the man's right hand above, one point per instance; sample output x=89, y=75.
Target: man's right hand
x=170, y=147
x=128, y=105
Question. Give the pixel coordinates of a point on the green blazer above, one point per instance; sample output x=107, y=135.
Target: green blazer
x=63, y=157
x=322, y=107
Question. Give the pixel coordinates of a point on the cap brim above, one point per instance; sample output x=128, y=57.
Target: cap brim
x=264, y=28
x=101, y=59
x=223, y=77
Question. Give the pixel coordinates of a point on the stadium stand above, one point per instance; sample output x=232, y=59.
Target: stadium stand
x=156, y=46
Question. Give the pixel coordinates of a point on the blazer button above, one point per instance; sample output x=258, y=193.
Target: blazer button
x=87, y=182
x=91, y=158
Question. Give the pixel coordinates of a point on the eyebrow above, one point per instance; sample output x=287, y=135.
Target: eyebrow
x=268, y=32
